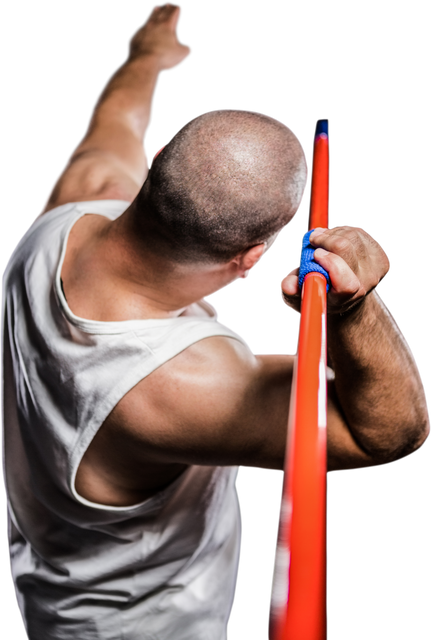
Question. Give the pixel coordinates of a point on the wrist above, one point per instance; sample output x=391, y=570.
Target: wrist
x=362, y=311
x=146, y=60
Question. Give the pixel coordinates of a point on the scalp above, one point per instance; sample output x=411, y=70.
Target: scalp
x=227, y=181
x=240, y=154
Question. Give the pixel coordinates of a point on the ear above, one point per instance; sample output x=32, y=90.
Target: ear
x=157, y=151
x=247, y=259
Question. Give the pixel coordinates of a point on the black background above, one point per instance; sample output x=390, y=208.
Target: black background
x=297, y=65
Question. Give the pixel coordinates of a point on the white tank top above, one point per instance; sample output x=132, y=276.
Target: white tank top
x=164, y=569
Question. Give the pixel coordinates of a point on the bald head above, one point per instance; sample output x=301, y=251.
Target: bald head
x=227, y=181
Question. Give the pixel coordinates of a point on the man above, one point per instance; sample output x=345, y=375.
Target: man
x=127, y=406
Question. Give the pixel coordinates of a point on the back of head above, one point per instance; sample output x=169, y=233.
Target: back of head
x=227, y=181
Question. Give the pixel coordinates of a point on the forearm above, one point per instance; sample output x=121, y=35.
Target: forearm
x=110, y=163
x=126, y=100
x=122, y=113
x=376, y=380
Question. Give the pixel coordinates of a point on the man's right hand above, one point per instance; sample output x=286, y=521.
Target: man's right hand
x=158, y=38
x=355, y=262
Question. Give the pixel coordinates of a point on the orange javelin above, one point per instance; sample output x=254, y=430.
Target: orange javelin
x=298, y=607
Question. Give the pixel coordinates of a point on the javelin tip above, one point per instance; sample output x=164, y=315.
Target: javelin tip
x=321, y=127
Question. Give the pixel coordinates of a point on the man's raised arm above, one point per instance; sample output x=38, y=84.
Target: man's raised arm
x=110, y=162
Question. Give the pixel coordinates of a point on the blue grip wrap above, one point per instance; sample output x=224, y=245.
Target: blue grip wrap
x=308, y=263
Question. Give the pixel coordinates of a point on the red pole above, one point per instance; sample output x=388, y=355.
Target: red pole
x=298, y=608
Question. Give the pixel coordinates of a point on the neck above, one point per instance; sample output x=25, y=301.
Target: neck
x=153, y=285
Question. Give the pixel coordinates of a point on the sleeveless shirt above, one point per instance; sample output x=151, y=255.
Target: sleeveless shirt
x=164, y=569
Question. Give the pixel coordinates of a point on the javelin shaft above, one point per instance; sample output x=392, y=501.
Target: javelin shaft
x=298, y=610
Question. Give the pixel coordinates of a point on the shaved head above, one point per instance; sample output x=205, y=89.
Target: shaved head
x=227, y=181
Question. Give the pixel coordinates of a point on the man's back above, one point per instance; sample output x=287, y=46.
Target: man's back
x=119, y=468
x=72, y=556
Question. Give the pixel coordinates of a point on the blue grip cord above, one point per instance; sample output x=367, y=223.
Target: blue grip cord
x=308, y=263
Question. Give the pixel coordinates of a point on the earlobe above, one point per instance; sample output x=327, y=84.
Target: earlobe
x=246, y=276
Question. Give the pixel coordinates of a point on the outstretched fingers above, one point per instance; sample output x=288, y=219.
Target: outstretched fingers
x=169, y=13
x=158, y=38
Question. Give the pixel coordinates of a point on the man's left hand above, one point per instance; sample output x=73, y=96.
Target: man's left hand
x=158, y=38
x=355, y=260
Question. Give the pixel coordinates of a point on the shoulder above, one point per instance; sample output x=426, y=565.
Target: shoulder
x=93, y=175
x=210, y=367
x=211, y=404
x=225, y=372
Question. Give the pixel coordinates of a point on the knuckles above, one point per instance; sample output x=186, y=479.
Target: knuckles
x=356, y=247
x=341, y=240
x=342, y=243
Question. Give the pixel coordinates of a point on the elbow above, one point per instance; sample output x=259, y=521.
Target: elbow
x=414, y=423
x=405, y=439
x=412, y=428
x=417, y=429
x=422, y=433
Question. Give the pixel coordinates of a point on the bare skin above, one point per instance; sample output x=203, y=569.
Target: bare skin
x=217, y=403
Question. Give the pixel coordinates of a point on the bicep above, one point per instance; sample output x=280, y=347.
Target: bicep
x=224, y=407
x=343, y=450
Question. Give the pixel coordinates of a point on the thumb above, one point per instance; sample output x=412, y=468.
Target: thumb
x=289, y=282
x=290, y=290
x=190, y=48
